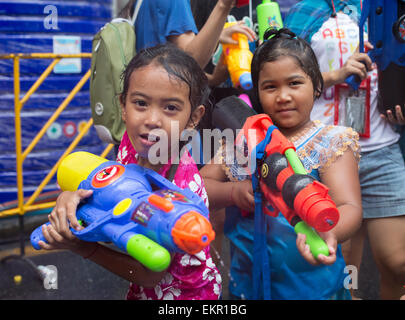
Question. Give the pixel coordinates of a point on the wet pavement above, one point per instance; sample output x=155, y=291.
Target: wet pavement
x=76, y=279
x=80, y=279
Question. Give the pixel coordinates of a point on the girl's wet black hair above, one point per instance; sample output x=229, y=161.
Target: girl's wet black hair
x=284, y=43
x=182, y=67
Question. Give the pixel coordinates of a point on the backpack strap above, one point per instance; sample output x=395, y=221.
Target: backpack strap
x=173, y=168
x=137, y=7
x=172, y=172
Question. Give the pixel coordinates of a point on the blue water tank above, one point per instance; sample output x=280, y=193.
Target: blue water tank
x=45, y=26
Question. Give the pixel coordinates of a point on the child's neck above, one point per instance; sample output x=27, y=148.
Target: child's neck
x=146, y=164
x=292, y=133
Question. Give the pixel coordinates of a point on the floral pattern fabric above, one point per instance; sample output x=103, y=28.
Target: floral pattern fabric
x=318, y=147
x=189, y=277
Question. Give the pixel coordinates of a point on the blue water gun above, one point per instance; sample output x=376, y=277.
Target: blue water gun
x=386, y=32
x=138, y=210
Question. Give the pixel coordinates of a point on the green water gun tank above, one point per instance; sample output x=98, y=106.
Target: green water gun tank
x=268, y=15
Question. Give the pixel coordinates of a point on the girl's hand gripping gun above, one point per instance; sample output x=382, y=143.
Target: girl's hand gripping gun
x=126, y=210
x=386, y=32
x=284, y=182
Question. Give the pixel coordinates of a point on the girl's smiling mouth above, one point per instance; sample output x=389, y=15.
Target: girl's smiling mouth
x=149, y=139
x=286, y=110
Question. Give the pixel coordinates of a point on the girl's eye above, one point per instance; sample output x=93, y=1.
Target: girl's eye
x=295, y=83
x=139, y=103
x=269, y=87
x=171, y=107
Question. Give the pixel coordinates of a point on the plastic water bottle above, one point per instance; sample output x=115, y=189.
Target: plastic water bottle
x=268, y=15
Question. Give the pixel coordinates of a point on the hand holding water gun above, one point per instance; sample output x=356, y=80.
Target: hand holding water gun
x=125, y=209
x=386, y=33
x=238, y=59
x=286, y=186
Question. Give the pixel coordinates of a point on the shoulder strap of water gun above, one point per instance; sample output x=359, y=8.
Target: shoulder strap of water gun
x=261, y=260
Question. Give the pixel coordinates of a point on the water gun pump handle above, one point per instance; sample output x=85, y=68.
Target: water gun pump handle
x=316, y=244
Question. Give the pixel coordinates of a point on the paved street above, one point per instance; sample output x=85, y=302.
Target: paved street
x=81, y=279
x=77, y=279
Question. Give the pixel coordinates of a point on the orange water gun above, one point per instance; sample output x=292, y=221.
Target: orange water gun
x=282, y=179
x=287, y=188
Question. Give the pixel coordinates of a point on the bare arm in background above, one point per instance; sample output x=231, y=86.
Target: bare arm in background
x=202, y=45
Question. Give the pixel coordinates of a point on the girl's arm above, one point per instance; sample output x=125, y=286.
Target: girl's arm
x=123, y=265
x=342, y=179
x=59, y=236
x=223, y=193
x=203, y=45
x=219, y=190
x=358, y=64
x=116, y=262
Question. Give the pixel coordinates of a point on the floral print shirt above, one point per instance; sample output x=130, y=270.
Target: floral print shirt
x=189, y=277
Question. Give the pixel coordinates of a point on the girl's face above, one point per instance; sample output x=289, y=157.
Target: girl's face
x=286, y=94
x=157, y=101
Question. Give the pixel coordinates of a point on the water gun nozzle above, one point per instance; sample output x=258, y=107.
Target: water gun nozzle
x=245, y=81
x=192, y=232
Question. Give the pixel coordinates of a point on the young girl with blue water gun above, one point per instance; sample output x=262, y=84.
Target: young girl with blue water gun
x=162, y=86
x=286, y=81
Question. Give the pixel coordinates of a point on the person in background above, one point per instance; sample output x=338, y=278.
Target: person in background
x=161, y=21
x=331, y=28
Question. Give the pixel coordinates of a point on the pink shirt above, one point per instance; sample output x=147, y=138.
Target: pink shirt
x=189, y=277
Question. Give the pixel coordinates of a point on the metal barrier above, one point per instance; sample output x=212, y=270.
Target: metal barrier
x=29, y=205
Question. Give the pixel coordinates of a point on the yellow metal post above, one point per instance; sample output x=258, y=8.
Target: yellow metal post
x=56, y=114
x=17, y=128
x=107, y=151
x=39, y=81
x=18, y=105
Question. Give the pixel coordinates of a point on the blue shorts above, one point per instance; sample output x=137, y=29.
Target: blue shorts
x=382, y=180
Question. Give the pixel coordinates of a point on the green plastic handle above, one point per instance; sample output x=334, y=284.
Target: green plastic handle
x=148, y=252
x=295, y=161
x=316, y=244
